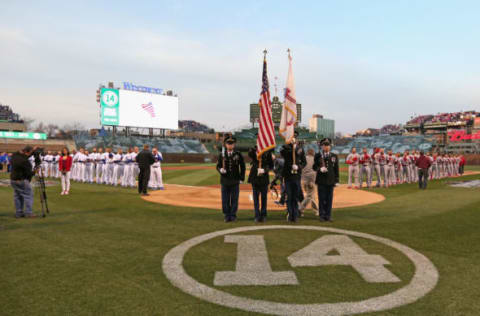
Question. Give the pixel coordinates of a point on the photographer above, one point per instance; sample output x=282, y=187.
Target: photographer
x=65, y=165
x=20, y=178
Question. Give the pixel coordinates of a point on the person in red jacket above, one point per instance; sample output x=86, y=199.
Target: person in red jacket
x=64, y=165
x=423, y=163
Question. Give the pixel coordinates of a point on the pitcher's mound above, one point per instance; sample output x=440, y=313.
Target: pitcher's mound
x=209, y=197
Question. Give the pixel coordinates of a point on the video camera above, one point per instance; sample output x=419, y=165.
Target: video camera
x=37, y=152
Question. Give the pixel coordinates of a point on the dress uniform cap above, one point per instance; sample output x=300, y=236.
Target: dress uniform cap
x=230, y=140
x=326, y=141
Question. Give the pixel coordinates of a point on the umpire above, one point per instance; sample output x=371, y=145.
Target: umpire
x=20, y=178
x=326, y=165
x=144, y=159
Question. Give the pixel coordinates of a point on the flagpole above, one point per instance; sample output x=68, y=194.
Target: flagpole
x=260, y=158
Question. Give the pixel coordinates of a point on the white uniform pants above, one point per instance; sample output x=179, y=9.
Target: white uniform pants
x=156, y=181
x=98, y=173
x=117, y=173
x=66, y=181
x=127, y=174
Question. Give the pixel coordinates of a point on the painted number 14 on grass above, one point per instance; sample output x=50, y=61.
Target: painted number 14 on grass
x=253, y=266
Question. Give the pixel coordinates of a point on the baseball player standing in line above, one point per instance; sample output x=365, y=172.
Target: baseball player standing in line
x=99, y=165
x=81, y=160
x=389, y=169
x=88, y=166
x=117, y=167
x=135, y=169
x=376, y=166
x=156, y=182
x=127, y=168
x=398, y=168
x=352, y=161
x=365, y=162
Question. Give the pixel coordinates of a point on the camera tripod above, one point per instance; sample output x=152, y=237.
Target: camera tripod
x=43, y=194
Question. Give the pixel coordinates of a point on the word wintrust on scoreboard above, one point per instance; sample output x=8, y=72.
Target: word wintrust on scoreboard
x=138, y=106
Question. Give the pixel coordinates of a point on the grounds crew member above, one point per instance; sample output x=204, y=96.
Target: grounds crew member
x=231, y=166
x=144, y=159
x=156, y=182
x=20, y=177
x=259, y=179
x=423, y=163
x=292, y=170
x=352, y=161
x=365, y=162
x=326, y=166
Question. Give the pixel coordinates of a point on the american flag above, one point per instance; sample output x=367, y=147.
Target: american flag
x=149, y=108
x=266, y=132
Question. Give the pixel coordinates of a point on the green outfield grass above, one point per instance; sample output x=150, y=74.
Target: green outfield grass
x=100, y=251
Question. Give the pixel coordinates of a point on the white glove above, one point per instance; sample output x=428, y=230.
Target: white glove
x=323, y=169
x=294, y=167
x=223, y=171
x=260, y=171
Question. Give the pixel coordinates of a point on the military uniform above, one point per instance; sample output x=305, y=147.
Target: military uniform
x=231, y=167
x=260, y=182
x=292, y=178
x=326, y=165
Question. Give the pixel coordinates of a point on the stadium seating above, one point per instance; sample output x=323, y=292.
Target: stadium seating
x=390, y=142
x=164, y=145
x=7, y=115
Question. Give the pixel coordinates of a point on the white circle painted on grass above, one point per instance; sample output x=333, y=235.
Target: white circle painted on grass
x=423, y=281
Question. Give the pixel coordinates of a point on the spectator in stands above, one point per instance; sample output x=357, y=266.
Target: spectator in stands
x=20, y=180
x=65, y=165
x=423, y=163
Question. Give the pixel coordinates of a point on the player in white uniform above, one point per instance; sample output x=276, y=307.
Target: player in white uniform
x=365, y=168
x=352, y=161
x=56, y=159
x=99, y=163
x=127, y=168
x=135, y=169
x=117, y=167
x=156, y=182
x=81, y=161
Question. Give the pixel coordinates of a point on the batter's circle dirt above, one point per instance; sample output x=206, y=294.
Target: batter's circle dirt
x=210, y=197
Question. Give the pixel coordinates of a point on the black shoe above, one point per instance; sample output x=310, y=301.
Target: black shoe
x=145, y=194
x=322, y=219
x=257, y=220
x=330, y=220
x=226, y=220
x=263, y=219
x=233, y=219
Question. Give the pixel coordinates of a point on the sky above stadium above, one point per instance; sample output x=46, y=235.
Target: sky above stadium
x=361, y=63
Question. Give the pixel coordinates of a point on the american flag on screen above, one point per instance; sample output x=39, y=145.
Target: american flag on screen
x=149, y=108
x=266, y=132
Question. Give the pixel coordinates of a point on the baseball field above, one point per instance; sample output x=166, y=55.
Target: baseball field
x=104, y=250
